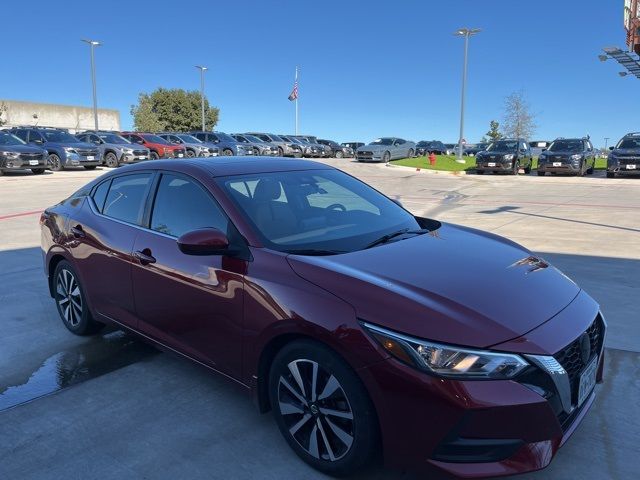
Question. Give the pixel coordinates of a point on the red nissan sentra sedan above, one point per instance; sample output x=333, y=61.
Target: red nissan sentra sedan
x=362, y=327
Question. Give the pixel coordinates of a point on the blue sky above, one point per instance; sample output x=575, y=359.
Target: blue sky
x=368, y=68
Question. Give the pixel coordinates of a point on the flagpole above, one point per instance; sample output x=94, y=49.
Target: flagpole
x=296, y=103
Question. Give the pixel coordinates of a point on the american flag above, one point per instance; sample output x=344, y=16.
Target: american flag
x=294, y=92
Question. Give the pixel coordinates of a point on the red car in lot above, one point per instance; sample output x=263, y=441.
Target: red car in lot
x=363, y=328
x=158, y=146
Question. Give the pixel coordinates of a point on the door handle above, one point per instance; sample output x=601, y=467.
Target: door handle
x=144, y=256
x=78, y=232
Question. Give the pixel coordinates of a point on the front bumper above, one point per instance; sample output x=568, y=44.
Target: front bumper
x=369, y=156
x=484, y=428
x=494, y=166
x=132, y=158
x=559, y=166
x=21, y=164
x=624, y=166
x=80, y=161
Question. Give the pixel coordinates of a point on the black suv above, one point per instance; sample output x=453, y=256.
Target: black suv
x=64, y=149
x=568, y=155
x=15, y=154
x=434, y=146
x=625, y=156
x=508, y=155
x=337, y=150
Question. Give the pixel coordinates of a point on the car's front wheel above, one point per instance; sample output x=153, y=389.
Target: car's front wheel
x=227, y=152
x=322, y=409
x=386, y=157
x=339, y=154
x=54, y=163
x=516, y=168
x=111, y=160
x=71, y=301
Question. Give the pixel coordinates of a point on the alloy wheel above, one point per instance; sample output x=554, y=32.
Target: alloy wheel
x=316, y=410
x=69, y=297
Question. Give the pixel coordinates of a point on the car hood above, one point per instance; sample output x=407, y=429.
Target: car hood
x=89, y=146
x=561, y=153
x=20, y=149
x=454, y=285
x=626, y=151
x=374, y=148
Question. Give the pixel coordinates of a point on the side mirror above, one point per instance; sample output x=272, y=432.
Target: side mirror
x=612, y=148
x=38, y=141
x=204, y=241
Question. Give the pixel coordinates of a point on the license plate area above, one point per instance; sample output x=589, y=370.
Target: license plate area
x=491, y=164
x=557, y=164
x=33, y=162
x=587, y=381
x=631, y=166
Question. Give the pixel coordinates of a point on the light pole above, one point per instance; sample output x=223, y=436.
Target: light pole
x=92, y=44
x=466, y=33
x=202, y=70
x=606, y=142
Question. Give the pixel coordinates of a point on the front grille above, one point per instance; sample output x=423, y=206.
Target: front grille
x=139, y=153
x=365, y=154
x=571, y=359
x=86, y=152
x=30, y=156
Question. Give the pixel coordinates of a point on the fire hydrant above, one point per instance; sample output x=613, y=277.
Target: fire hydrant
x=432, y=159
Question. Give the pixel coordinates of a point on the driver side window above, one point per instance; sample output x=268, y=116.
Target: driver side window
x=329, y=193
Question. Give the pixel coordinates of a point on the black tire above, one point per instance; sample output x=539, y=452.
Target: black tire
x=111, y=160
x=591, y=169
x=337, y=390
x=527, y=169
x=154, y=155
x=280, y=152
x=72, y=307
x=480, y=172
x=339, y=154
x=541, y=174
x=191, y=154
x=1, y=172
x=410, y=154
x=227, y=152
x=516, y=168
x=54, y=163
x=386, y=157
x=611, y=174
x=90, y=167
x=37, y=171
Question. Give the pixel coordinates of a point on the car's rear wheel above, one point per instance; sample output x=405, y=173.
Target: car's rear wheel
x=527, y=169
x=386, y=157
x=111, y=160
x=227, y=152
x=516, y=168
x=339, y=154
x=191, y=154
x=154, y=155
x=71, y=301
x=322, y=409
x=37, y=171
x=54, y=163
x=280, y=152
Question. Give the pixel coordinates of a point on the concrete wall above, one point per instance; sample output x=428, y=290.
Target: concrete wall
x=61, y=116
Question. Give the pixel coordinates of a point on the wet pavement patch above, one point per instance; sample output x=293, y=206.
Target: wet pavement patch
x=99, y=356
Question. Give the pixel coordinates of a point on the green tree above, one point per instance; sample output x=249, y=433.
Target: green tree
x=173, y=110
x=494, y=131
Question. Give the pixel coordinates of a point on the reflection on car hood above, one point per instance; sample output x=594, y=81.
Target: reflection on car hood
x=626, y=151
x=455, y=285
x=374, y=148
x=20, y=149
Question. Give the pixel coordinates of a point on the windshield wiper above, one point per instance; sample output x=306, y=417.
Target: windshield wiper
x=389, y=236
x=314, y=252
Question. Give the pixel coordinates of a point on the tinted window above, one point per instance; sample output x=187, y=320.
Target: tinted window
x=126, y=197
x=33, y=136
x=182, y=205
x=21, y=134
x=100, y=194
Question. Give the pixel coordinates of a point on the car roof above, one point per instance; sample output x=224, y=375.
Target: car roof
x=224, y=166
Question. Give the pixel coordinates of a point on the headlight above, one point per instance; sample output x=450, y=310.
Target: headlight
x=576, y=157
x=12, y=155
x=448, y=360
x=70, y=150
x=127, y=150
x=508, y=156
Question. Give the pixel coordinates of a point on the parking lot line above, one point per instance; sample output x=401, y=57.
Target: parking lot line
x=22, y=214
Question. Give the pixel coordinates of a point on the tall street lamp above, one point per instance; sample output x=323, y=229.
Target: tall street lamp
x=466, y=33
x=202, y=70
x=92, y=44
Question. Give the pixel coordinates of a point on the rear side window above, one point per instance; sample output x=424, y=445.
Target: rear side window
x=126, y=197
x=21, y=134
x=100, y=195
x=182, y=205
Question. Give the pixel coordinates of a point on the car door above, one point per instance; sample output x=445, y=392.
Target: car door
x=192, y=304
x=103, y=234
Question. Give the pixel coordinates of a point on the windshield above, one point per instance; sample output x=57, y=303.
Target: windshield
x=254, y=139
x=275, y=138
x=155, y=139
x=566, y=146
x=113, y=138
x=8, y=139
x=382, y=141
x=59, y=136
x=240, y=138
x=503, y=146
x=189, y=139
x=315, y=210
x=423, y=144
x=224, y=137
x=629, y=143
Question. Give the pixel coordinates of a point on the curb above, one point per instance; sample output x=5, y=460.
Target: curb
x=431, y=171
